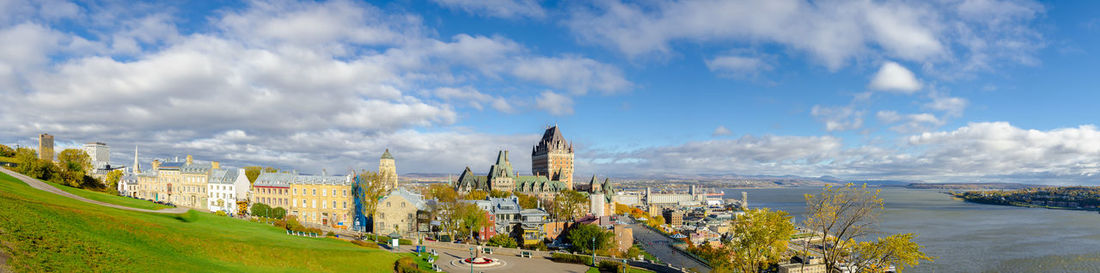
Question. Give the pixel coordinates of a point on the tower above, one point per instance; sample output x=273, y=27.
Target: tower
x=501, y=177
x=100, y=154
x=388, y=170
x=45, y=147
x=553, y=157
x=136, y=169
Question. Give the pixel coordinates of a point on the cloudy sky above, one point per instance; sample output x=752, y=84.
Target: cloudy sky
x=938, y=91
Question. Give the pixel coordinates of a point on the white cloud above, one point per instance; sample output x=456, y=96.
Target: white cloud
x=737, y=66
x=888, y=116
x=838, y=118
x=832, y=32
x=576, y=74
x=475, y=98
x=892, y=77
x=497, y=8
x=953, y=106
x=554, y=103
x=721, y=131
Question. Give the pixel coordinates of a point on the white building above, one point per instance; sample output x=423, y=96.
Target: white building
x=99, y=153
x=597, y=205
x=225, y=187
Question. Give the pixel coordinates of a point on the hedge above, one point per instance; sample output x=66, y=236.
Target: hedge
x=570, y=258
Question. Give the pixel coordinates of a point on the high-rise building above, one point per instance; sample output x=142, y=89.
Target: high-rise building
x=388, y=170
x=45, y=147
x=100, y=154
x=136, y=168
x=553, y=157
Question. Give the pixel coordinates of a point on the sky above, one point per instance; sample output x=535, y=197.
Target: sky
x=933, y=91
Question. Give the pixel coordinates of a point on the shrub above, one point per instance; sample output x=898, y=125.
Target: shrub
x=365, y=244
x=406, y=242
x=406, y=265
x=280, y=224
x=330, y=234
x=612, y=266
x=570, y=258
x=220, y=213
x=502, y=240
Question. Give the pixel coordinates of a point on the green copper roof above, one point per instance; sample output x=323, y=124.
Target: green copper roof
x=387, y=155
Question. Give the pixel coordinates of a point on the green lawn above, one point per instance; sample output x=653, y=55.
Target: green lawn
x=46, y=232
x=110, y=198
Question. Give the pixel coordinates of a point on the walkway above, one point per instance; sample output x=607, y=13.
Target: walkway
x=658, y=245
x=514, y=263
x=38, y=184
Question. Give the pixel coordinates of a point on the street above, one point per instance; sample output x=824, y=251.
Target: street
x=657, y=244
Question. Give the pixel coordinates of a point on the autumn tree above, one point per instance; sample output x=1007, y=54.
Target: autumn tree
x=441, y=193
x=253, y=172
x=898, y=250
x=759, y=239
x=839, y=215
x=499, y=194
x=469, y=219
x=369, y=188
x=527, y=201
x=6, y=151
x=567, y=204
x=476, y=195
x=113, y=177
x=30, y=165
x=74, y=164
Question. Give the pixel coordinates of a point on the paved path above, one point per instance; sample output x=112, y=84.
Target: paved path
x=38, y=184
x=513, y=263
x=657, y=244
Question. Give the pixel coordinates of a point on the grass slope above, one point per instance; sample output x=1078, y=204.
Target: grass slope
x=46, y=232
x=110, y=198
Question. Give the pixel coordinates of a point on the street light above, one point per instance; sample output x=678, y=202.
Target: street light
x=593, y=251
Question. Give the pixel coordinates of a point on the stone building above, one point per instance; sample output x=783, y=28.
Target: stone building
x=552, y=157
x=399, y=211
x=45, y=147
x=503, y=178
x=314, y=199
x=388, y=170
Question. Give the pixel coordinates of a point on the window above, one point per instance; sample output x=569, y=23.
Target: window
x=388, y=204
x=345, y=204
x=324, y=205
x=334, y=204
x=303, y=203
x=333, y=192
x=323, y=192
x=402, y=204
x=345, y=193
x=295, y=191
x=314, y=203
x=314, y=192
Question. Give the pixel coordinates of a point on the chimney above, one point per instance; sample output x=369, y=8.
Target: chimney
x=215, y=165
x=188, y=159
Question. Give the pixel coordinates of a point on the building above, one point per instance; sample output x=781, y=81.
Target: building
x=531, y=223
x=691, y=198
x=505, y=212
x=273, y=190
x=45, y=147
x=322, y=199
x=388, y=170
x=226, y=187
x=399, y=212
x=597, y=205
x=552, y=157
x=99, y=153
x=673, y=217
x=503, y=178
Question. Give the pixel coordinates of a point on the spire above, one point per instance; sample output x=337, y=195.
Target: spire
x=501, y=157
x=137, y=167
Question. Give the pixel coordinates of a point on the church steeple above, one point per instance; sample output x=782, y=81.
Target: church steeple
x=137, y=167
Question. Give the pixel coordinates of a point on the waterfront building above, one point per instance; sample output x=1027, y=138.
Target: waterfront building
x=553, y=158
x=99, y=153
x=400, y=211
x=226, y=187
x=45, y=147
x=388, y=170
x=691, y=198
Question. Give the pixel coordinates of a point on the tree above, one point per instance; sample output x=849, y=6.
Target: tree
x=74, y=164
x=476, y=195
x=278, y=213
x=261, y=210
x=31, y=165
x=838, y=215
x=441, y=193
x=253, y=172
x=369, y=188
x=760, y=238
x=113, y=178
x=898, y=250
x=567, y=204
x=499, y=194
x=6, y=151
x=527, y=201
x=585, y=237
x=469, y=218
x=502, y=240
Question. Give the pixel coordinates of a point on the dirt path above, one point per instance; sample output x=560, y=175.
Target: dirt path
x=37, y=184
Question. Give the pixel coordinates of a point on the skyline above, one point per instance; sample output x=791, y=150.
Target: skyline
x=952, y=91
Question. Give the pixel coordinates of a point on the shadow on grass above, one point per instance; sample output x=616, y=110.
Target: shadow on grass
x=187, y=217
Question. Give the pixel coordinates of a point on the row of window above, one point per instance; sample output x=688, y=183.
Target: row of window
x=324, y=205
x=323, y=192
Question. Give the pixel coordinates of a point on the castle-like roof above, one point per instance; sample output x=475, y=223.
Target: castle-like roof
x=552, y=140
x=387, y=154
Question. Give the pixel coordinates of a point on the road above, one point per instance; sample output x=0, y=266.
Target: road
x=657, y=244
x=513, y=263
x=38, y=184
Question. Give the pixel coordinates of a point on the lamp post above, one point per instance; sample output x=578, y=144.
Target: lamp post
x=593, y=251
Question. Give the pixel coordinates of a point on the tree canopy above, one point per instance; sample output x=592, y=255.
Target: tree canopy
x=476, y=195
x=586, y=237
x=760, y=238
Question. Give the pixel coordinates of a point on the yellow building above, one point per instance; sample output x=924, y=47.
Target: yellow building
x=182, y=183
x=316, y=200
x=45, y=147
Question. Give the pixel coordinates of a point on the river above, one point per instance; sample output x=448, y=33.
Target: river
x=968, y=237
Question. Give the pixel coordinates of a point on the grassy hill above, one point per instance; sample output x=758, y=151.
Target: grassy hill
x=110, y=198
x=46, y=232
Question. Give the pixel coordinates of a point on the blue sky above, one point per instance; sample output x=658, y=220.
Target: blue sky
x=938, y=91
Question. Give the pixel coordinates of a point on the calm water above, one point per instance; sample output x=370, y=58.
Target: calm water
x=967, y=237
